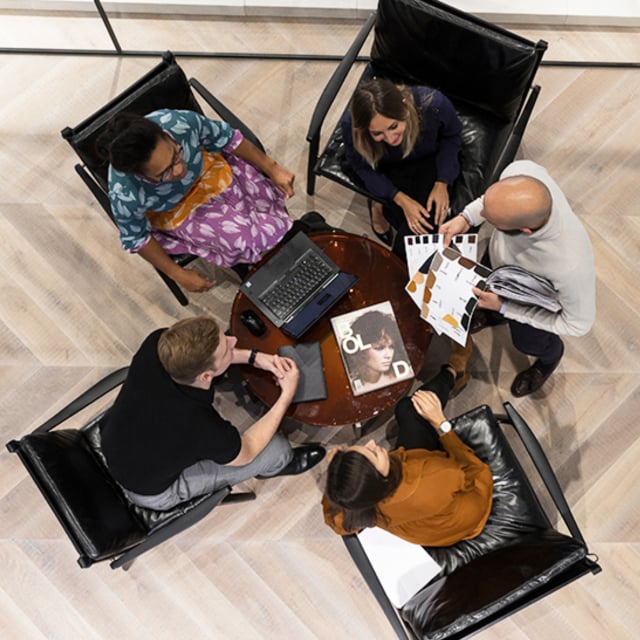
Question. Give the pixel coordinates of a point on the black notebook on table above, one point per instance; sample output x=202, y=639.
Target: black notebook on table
x=308, y=357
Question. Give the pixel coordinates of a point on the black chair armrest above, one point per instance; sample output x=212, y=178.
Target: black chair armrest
x=92, y=394
x=328, y=95
x=337, y=79
x=361, y=560
x=98, y=192
x=225, y=113
x=541, y=462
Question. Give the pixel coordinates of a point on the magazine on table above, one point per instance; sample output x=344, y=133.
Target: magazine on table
x=371, y=347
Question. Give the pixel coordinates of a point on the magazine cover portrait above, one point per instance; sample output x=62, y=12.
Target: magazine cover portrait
x=371, y=348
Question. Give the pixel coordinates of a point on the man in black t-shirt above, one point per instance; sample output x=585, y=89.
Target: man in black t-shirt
x=163, y=439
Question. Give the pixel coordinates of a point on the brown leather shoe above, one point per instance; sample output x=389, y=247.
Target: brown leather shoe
x=530, y=380
x=458, y=359
x=462, y=378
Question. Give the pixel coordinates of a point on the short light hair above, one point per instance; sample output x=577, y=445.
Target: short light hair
x=186, y=349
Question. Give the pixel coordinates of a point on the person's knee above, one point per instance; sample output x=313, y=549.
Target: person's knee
x=535, y=342
x=278, y=452
x=404, y=410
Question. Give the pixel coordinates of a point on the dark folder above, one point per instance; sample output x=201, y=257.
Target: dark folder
x=308, y=357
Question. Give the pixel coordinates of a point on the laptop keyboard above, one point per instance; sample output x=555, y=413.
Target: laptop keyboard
x=291, y=291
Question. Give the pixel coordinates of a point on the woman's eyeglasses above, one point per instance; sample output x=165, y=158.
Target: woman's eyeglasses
x=167, y=174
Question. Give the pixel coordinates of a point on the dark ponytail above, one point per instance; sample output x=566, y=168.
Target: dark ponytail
x=355, y=487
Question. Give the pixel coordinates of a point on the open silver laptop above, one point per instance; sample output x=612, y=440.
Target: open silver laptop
x=297, y=285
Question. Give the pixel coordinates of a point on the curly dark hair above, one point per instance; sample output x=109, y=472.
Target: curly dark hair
x=372, y=327
x=128, y=142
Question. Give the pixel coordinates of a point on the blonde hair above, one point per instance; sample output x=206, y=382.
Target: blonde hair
x=186, y=349
x=382, y=97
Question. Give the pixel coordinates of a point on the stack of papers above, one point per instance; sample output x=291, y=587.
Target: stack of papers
x=420, y=251
x=403, y=568
x=442, y=282
x=518, y=284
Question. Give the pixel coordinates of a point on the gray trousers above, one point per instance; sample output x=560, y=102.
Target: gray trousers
x=206, y=476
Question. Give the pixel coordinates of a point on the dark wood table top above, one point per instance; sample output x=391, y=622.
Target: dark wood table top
x=383, y=276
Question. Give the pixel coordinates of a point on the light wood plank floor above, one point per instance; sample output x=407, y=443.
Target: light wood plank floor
x=74, y=306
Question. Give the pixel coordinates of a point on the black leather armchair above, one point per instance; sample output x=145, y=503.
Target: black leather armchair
x=68, y=467
x=487, y=72
x=518, y=558
x=165, y=86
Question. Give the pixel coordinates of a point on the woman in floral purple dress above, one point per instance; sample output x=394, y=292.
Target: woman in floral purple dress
x=182, y=183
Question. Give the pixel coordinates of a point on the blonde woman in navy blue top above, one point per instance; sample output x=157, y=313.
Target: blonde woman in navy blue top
x=403, y=143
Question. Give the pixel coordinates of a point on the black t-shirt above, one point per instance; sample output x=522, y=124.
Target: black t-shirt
x=157, y=428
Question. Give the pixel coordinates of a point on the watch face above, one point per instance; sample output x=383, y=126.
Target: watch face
x=445, y=427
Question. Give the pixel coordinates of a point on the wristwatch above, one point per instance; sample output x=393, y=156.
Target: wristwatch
x=445, y=427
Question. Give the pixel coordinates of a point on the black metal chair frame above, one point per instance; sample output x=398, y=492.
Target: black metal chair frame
x=166, y=524
x=97, y=184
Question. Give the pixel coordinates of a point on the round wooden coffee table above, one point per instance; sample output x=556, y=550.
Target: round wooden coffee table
x=383, y=276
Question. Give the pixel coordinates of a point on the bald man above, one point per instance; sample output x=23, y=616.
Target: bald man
x=534, y=228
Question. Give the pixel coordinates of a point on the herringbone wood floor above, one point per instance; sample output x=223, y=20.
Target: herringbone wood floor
x=74, y=306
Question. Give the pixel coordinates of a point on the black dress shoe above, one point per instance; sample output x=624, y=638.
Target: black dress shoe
x=303, y=459
x=315, y=222
x=531, y=380
x=387, y=236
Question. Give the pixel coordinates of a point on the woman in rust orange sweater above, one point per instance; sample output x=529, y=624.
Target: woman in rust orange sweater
x=432, y=490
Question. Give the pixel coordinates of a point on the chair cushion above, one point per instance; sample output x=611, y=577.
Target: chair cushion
x=150, y=518
x=515, y=512
x=483, y=139
x=85, y=499
x=516, y=552
x=490, y=584
x=425, y=42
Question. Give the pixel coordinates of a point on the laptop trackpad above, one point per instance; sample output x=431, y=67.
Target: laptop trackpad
x=319, y=304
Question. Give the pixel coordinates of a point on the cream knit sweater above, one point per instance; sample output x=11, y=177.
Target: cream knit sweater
x=560, y=251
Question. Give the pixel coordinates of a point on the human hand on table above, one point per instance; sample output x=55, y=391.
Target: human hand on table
x=288, y=381
x=273, y=363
